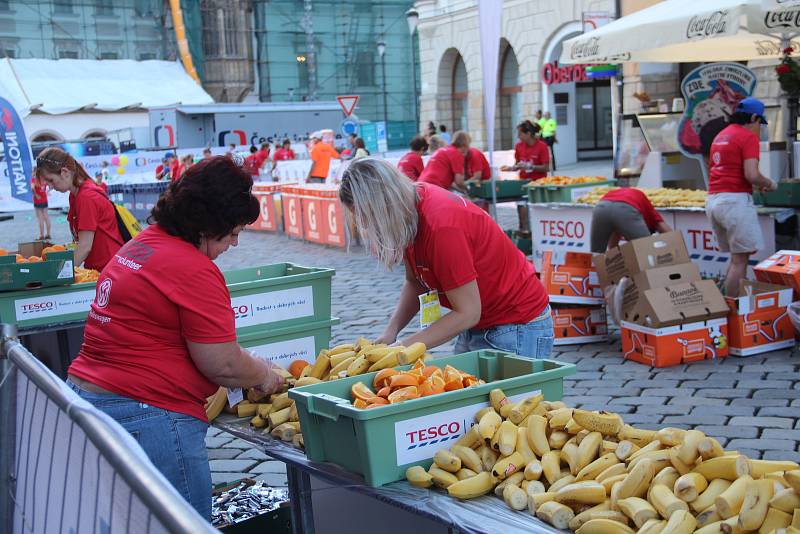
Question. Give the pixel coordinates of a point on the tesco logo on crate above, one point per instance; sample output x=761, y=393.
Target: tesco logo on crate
x=568, y=229
x=38, y=306
x=241, y=311
x=416, y=439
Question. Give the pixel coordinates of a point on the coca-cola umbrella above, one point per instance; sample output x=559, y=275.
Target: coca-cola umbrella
x=676, y=31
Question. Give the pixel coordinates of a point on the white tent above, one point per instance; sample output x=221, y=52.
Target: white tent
x=69, y=85
x=677, y=31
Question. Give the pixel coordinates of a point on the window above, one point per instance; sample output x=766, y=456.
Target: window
x=145, y=56
x=68, y=54
x=104, y=7
x=231, y=33
x=211, y=35
x=302, y=72
x=109, y=55
x=365, y=69
x=62, y=7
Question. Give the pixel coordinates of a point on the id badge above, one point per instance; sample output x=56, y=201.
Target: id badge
x=430, y=309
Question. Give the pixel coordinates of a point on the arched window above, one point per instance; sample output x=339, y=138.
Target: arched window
x=460, y=94
x=509, y=101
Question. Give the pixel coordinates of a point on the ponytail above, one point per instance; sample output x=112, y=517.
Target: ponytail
x=529, y=127
x=53, y=159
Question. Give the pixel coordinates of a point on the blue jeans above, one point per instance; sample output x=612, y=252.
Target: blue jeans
x=174, y=442
x=532, y=340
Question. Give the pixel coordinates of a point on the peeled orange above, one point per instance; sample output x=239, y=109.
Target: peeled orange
x=362, y=392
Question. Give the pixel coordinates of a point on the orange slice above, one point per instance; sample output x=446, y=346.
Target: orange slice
x=382, y=378
x=403, y=380
x=358, y=403
x=361, y=391
x=404, y=394
x=384, y=391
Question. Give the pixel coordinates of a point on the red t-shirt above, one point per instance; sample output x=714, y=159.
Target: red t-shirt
x=731, y=147
x=638, y=200
x=39, y=192
x=537, y=154
x=441, y=169
x=157, y=294
x=175, y=170
x=261, y=156
x=283, y=154
x=251, y=164
x=478, y=162
x=457, y=242
x=411, y=165
x=91, y=210
x=104, y=187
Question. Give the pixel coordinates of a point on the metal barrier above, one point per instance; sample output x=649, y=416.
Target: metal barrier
x=67, y=467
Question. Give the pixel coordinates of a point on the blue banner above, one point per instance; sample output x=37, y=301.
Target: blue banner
x=18, y=159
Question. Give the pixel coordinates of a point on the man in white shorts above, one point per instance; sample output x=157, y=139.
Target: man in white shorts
x=733, y=175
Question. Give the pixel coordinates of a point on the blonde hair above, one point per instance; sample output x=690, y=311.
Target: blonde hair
x=382, y=202
x=461, y=139
x=435, y=143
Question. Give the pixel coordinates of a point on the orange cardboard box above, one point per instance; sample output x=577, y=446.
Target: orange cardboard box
x=782, y=268
x=569, y=278
x=579, y=324
x=758, y=320
x=675, y=345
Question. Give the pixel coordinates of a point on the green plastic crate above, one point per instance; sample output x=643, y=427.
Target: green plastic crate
x=56, y=270
x=46, y=306
x=381, y=443
x=540, y=194
x=505, y=189
x=284, y=345
x=279, y=295
x=787, y=195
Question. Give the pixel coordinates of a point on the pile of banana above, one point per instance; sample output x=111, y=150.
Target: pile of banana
x=591, y=473
x=568, y=180
x=663, y=197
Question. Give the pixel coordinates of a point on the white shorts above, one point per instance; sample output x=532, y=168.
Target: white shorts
x=734, y=219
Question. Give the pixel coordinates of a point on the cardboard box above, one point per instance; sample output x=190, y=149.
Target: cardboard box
x=570, y=278
x=675, y=345
x=658, y=250
x=758, y=320
x=679, y=304
x=782, y=268
x=653, y=279
x=579, y=324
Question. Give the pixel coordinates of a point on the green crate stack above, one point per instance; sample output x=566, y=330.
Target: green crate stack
x=55, y=270
x=787, y=195
x=505, y=189
x=542, y=194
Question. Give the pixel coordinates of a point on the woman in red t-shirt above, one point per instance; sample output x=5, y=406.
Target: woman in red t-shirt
x=40, y=205
x=624, y=213
x=453, y=248
x=531, y=154
x=161, y=335
x=285, y=152
x=92, y=217
x=411, y=163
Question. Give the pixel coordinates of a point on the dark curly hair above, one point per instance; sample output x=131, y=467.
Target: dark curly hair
x=211, y=199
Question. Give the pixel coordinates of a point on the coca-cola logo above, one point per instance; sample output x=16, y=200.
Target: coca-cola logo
x=707, y=25
x=587, y=48
x=789, y=18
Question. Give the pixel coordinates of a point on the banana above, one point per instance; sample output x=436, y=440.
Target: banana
x=555, y=514
x=552, y=406
x=337, y=359
x=709, y=448
x=653, y=526
x=551, y=466
x=514, y=480
x=775, y=519
x=216, y=403
x=523, y=408
x=482, y=412
x=667, y=476
x=625, y=449
x=639, y=510
x=587, y=492
x=532, y=487
x=515, y=498
x=612, y=471
x=508, y=465
x=677, y=463
x=660, y=459
x=590, y=515
x=390, y=360
x=480, y=484
x=681, y=522
x=306, y=381
x=533, y=470
x=728, y=467
x=637, y=481
x=488, y=425
x=319, y=367
x=665, y=502
x=465, y=473
x=258, y=422
x=608, y=424
x=558, y=419
x=608, y=446
x=796, y=519
x=497, y=399
x=670, y=437
x=417, y=476
x=730, y=501
x=689, y=486
x=468, y=457
x=507, y=438
x=573, y=428
x=757, y=495
x=609, y=482
x=793, y=479
x=376, y=354
x=538, y=499
x=637, y=435
x=537, y=435
x=411, y=354
x=708, y=516
x=604, y=526
x=785, y=501
x=706, y=499
x=653, y=446
x=446, y=460
x=593, y=470
x=358, y=366
x=558, y=439
x=264, y=410
x=588, y=450
x=565, y=480
x=441, y=478
x=279, y=417
x=523, y=447
x=711, y=528
x=569, y=455
x=687, y=451
x=471, y=438
x=759, y=468
x=339, y=368
x=345, y=347
x=488, y=457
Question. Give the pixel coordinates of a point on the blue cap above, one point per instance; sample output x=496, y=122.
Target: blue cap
x=172, y=155
x=752, y=106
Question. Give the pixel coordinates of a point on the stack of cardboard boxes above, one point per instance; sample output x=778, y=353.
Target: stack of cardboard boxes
x=576, y=297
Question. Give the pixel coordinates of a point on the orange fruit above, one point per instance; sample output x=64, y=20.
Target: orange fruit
x=377, y=401
x=382, y=378
x=384, y=392
x=297, y=366
x=426, y=388
x=361, y=391
x=429, y=370
x=404, y=394
x=419, y=364
x=3, y=252
x=403, y=380
x=438, y=384
x=34, y=259
x=58, y=248
x=359, y=403
x=470, y=381
x=21, y=259
x=452, y=385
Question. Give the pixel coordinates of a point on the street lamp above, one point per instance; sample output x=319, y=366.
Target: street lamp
x=412, y=18
x=381, y=52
